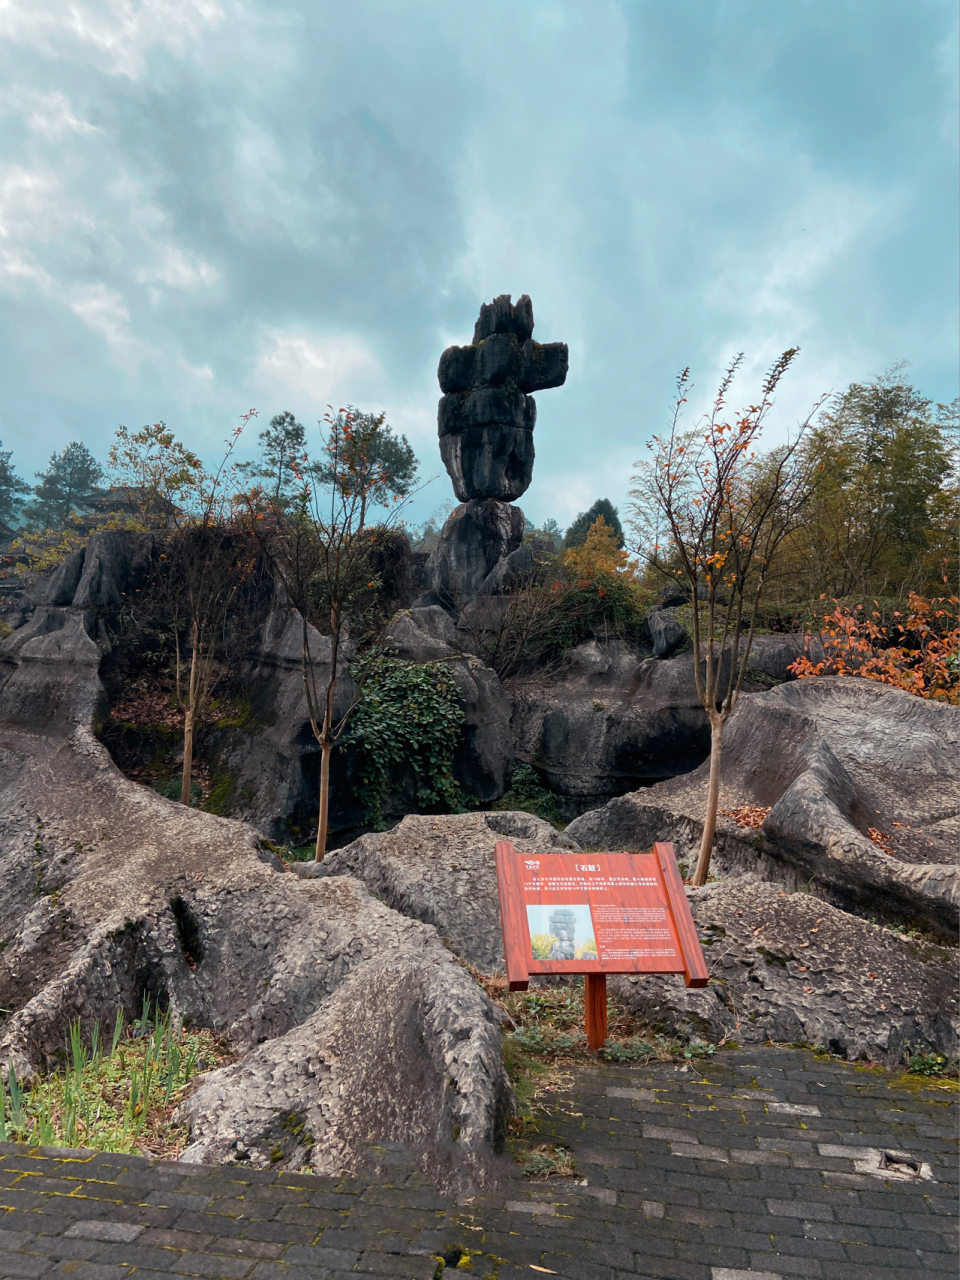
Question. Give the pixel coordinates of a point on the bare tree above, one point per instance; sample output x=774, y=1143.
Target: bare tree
x=712, y=511
x=323, y=554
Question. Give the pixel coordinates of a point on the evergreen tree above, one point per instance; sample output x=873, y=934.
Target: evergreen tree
x=883, y=517
x=282, y=449
x=69, y=484
x=576, y=535
x=12, y=489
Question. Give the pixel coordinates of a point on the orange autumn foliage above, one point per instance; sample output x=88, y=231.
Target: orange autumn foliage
x=917, y=652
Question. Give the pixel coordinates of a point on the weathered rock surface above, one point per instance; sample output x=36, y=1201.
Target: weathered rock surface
x=485, y=423
x=268, y=767
x=475, y=537
x=667, y=632
x=483, y=759
x=108, y=891
x=791, y=968
x=613, y=718
x=486, y=416
x=441, y=870
x=832, y=758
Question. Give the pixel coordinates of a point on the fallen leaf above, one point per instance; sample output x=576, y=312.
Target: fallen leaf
x=783, y=895
x=880, y=839
x=808, y=990
x=804, y=944
x=760, y=930
x=198, y=876
x=747, y=815
x=813, y=930
x=871, y=976
x=801, y=968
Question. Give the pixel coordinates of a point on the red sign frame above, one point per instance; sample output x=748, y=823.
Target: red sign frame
x=634, y=903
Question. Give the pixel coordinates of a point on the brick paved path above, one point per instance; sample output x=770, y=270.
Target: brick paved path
x=767, y=1164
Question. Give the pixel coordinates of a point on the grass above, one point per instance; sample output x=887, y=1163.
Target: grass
x=116, y=1097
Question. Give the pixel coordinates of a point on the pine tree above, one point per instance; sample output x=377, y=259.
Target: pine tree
x=576, y=535
x=68, y=485
x=282, y=447
x=12, y=489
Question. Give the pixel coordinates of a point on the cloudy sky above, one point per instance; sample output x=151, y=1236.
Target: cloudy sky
x=213, y=205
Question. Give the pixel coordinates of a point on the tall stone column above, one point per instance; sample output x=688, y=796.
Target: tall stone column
x=486, y=419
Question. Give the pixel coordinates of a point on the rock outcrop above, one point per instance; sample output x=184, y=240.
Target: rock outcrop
x=486, y=415
x=783, y=966
x=833, y=759
x=108, y=891
x=440, y=869
x=613, y=718
x=485, y=421
x=790, y=968
x=483, y=759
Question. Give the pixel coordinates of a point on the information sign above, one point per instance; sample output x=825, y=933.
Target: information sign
x=595, y=913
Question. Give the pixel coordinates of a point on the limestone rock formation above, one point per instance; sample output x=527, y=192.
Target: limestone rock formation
x=440, y=869
x=483, y=759
x=614, y=718
x=486, y=416
x=476, y=537
x=785, y=966
x=268, y=768
x=485, y=419
x=789, y=967
x=832, y=758
x=108, y=891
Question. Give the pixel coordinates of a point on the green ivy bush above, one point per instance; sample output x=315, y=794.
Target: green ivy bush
x=409, y=714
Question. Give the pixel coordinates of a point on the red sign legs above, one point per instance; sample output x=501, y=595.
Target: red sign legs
x=595, y=1008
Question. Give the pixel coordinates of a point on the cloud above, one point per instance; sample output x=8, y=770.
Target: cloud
x=206, y=205
x=319, y=370
x=119, y=34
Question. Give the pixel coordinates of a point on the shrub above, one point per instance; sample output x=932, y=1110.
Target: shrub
x=528, y=794
x=409, y=714
x=917, y=651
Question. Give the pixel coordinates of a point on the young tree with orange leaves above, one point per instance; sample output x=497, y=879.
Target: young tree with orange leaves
x=711, y=510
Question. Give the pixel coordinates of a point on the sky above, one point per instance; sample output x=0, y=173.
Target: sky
x=209, y=206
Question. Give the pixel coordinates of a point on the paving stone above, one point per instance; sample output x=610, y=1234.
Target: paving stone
x=687, y=1181
x=99, y=1229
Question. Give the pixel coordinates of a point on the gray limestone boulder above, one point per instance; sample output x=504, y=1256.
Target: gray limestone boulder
x=613, y=717
x=267, y=768
x=483, y=759
x=832, y=758
x=667, y=632
x=791, y=968
x=353, y=1023
x=475, y=537
x=494, y=461
x=441, y=870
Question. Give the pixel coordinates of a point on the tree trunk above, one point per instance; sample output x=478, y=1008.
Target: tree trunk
x=187, y=756
x=189, y=719
x=713, y=797
x=325, y=750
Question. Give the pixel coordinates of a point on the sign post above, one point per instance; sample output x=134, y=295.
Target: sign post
x=595, y=913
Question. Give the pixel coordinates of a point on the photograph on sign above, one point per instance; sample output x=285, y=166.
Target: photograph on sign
x=561, y=931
